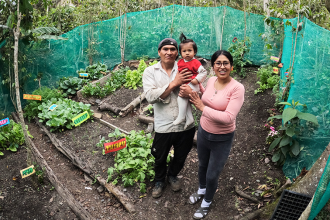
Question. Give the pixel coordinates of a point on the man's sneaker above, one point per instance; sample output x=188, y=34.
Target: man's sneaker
x=174, y=182
x=158, y=189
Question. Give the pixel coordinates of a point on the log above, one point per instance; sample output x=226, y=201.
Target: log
x=111, y=126
x=145, y=119
x=59, y=146
x=107, y=107
x=132, y=105
x=116, y=192
x=244, y=195
x=88, y=170
x=62, y=190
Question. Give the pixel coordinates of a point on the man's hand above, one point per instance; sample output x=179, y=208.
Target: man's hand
x=182, y=77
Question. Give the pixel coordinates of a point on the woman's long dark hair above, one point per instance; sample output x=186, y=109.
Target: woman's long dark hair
x=222, y=52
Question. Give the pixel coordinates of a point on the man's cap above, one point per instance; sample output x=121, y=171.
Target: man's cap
x=167, y=41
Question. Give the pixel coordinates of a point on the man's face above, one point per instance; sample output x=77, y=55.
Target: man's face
x=168, y=54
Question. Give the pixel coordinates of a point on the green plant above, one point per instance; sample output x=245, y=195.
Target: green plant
x=31, y=110
x=11, y=137
x=118, y=78
x=62, y=116
x=71, y=85
x=291, y=127
x=237, y=50
x=135, y=162
x=95, y=71
x=149, y=109
x=266, y=79
x=134, y=77
x=40, y=173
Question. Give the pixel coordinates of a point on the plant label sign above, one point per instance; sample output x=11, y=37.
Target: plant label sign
x=80, y=118
x=52, y=107
x=4, y=122
x=83, y=74
x=115, y=146
x=32, y=97
x=27, y=171
x=276, y=59
x=235, y=39
x=286, y=74
x=275, y=70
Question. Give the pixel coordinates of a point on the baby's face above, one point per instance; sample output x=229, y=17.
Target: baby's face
x=187, y=51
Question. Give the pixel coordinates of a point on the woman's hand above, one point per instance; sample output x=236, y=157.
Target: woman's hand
x=185, y=90
x=196, y=101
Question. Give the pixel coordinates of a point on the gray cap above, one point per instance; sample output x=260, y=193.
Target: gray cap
x=167, y=41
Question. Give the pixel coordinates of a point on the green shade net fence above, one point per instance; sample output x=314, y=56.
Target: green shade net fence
x=135, y=34
x=322, y=194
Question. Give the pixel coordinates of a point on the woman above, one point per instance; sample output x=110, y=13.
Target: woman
x=221, y=101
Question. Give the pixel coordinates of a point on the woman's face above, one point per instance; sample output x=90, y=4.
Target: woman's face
x=222, y=67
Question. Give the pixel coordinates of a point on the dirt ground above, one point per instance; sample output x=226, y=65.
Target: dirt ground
x=245, y=167
x=27, y=198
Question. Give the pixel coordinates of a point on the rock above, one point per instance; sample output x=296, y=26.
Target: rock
x=259, y=191
x=256, y=194
x=124, y=190
x=248, y=209
x=258, y=181
x=107, y=194
x=98, y=101
x=150, y=128
x=88, y=179
x=267, y=160
x=98, y=115
x=51, y=200
x=237, y=217
x=231, y=178
x=117, y=205
x=100, y=189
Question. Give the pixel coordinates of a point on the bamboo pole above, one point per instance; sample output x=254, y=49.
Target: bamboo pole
x=18, y=99
x=223, y=24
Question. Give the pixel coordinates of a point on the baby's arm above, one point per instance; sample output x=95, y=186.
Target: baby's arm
x=194, y=81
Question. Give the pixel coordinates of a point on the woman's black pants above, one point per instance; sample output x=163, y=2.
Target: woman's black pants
x=213, y=151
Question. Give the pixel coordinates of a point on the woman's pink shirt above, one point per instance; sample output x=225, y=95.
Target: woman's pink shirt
x=221, y=109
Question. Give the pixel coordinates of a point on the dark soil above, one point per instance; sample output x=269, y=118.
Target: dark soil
x=246, y=165
x=27, y=198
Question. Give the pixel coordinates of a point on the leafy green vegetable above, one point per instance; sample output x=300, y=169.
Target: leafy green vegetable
x=134, y=77
x=70, y=86
x=237, y=50
x=135, y=162
x=11, y=137
x=118, y=78
x=266, y=79
x=31, y=110
x=62, y=116
x=94, y=71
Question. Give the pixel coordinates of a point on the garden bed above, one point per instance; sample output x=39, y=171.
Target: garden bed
x=246, y=166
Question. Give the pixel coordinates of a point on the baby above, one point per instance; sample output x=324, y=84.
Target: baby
x=188, y=50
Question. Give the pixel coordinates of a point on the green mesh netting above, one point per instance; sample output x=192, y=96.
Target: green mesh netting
x=139, y=34
x=322, y=194
x=311, y=87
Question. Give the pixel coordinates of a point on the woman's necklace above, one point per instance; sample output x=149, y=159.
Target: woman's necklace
x=215, y=90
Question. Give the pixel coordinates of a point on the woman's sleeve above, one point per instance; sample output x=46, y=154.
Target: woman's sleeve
x=233, y=107
x=201, y=88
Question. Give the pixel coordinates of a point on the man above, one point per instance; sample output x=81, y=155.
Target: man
x=161, y=84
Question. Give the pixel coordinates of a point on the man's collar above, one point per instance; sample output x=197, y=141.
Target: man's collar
x=159, y=65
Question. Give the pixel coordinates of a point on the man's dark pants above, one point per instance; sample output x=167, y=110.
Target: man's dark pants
x=182, y=143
